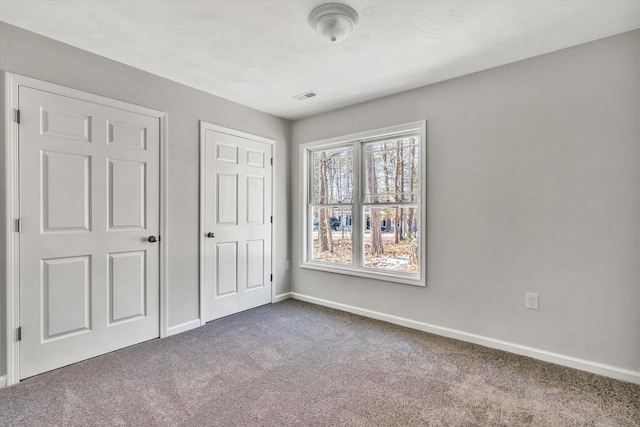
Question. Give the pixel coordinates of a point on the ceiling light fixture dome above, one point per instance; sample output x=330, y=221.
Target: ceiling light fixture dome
x=333, y=21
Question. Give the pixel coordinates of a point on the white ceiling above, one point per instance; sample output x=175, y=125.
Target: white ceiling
x=261, y=53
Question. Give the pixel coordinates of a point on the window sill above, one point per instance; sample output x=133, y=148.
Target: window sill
x=391, y=276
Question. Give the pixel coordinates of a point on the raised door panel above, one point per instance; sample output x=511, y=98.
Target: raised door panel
x=66, y=297
x=126, y=135
x=65, y=124
x=255, y=200
x=227, y=268
x=227, y=153
x=255, y=158
x=127, y=286
x=227, y=198
x=66, y=192
x=126, y=194
x=255, y=264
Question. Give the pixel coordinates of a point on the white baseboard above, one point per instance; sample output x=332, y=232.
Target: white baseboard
x=547, y=356
x=3, y=381
x=183, y=327
x=281, y=297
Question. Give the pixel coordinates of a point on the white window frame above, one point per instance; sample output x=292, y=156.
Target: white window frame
x=357, y=140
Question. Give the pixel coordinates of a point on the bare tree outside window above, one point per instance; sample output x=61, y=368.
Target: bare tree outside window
x=375, y=241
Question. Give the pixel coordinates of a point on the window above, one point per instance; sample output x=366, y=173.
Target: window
x=364, y=204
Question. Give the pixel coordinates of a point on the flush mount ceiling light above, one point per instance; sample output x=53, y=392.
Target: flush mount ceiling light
x=333, y=21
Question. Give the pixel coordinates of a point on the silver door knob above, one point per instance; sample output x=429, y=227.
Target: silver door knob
x=152, y=239
x=211, y=235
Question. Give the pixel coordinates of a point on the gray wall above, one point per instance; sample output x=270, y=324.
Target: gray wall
x=3, y=275
x=533, y=185
x=26, y=53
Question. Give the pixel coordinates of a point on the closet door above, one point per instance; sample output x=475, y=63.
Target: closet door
x=237, y=220
x=89, y=208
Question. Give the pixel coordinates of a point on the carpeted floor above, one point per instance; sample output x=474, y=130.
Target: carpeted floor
x=296, y=364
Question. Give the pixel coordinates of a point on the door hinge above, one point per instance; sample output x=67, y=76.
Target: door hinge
x=272, y=277
x=272, y=161
x=272, y=219
x=19, y=333
x=18, y=225
x=17, y=116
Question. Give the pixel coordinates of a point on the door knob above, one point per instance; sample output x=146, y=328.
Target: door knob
x=211, y=235
x=152, y=239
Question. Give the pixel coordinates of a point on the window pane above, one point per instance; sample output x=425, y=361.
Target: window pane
x=391, y=170
x=391, y=238
x=332, y=176
x=331, y=231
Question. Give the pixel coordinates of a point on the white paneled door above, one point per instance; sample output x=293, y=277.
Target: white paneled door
x=89, y=209
x=236, y=221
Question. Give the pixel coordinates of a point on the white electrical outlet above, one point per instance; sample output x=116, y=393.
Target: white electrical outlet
x=288, y=265
x=531, y=301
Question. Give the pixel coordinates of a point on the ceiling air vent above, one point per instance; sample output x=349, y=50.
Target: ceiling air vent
x=305, y=95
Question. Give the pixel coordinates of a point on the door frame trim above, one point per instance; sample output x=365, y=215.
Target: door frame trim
x=12, y=82
x=204, y=126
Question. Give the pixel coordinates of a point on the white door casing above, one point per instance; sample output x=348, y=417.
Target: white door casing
x=88, y=199
x=236, y=200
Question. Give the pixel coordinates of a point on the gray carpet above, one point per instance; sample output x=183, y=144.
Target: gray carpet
x=296, y=364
